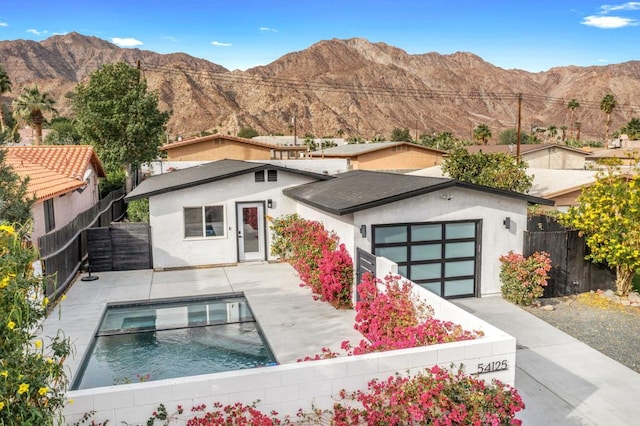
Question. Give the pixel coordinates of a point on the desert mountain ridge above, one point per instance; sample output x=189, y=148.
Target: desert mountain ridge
x=337, y=87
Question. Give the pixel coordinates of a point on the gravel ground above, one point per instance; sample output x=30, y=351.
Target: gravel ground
x=611, y=328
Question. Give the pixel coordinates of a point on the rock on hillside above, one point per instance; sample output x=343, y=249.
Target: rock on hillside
x=362, y=88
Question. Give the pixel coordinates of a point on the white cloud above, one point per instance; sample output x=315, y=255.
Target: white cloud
x=173, y=39
x=632, y=5
x=36, y=32
x=219, y=43
x=3, y=24
x=273, y=30
x=126, y=42
x=608, y=22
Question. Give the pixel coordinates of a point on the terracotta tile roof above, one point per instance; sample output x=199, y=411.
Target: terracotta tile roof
x=53, y=169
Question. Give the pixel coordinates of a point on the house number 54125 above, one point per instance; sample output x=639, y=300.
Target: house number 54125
x=492, y=366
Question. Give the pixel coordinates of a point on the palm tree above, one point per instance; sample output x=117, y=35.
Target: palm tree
x=31, y=105
x=553, y=132
x=5, y=87
x=482, y=133
x=572, y=105
x=564, y=132
x=607, y=104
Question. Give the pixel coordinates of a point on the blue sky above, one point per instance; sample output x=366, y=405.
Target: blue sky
x=532, y=35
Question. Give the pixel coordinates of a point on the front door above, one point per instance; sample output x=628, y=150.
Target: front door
x=251, y=231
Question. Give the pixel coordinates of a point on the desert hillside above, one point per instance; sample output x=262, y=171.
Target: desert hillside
x=349, y=87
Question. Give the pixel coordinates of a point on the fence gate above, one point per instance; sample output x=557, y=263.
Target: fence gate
x=119, y=247
x=570, y=272
x=365, y=262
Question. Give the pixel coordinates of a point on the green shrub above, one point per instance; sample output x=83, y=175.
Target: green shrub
x=138, y=210
x=32, y=376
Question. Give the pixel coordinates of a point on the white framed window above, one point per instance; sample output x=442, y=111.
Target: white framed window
x=204, y=222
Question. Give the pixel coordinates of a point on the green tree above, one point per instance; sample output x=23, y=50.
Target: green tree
x=31, y=106
x=498, y=170
x=444, y=141
x=482, y=133
x=607, y=104
x=608, y=216
x=116, y=114
x=15, y=203
x=572, y=105
x=5, y=87
x=62, y=131
x=632, y=129
x=247, y=132
x=32, y=374
x=138, y=210
x=400, y=135
x=510, y=137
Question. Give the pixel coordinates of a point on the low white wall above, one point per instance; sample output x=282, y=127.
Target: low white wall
x=287, y=388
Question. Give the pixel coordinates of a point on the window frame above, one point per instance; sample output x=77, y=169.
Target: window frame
x=203, y=222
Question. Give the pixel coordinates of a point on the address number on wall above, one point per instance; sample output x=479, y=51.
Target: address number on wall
x=492, y=366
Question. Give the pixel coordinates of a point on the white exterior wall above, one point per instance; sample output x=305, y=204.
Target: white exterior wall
x=464, y=204
x=171, y=249
x=65, y=207
x=555, y=158
x=304, y=385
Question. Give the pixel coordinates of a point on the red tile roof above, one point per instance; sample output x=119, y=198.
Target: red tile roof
x=53, y=169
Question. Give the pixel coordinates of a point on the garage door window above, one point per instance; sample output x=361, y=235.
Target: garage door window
x=441, y=257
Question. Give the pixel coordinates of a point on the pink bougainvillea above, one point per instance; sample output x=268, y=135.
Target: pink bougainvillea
x=323, y=264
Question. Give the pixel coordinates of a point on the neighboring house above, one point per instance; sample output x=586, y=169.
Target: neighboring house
x=563, y=187
x=384, y=155
x=444, y=234
x=540, y=156
x=220, y=147
x=216, y=213
x=296, y=140
x=63, y=179
x=628, y=156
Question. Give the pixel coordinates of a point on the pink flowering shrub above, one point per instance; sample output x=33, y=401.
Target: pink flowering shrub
x=393, y=319
x=437, y=397
x=524, y=279
x=322, y=264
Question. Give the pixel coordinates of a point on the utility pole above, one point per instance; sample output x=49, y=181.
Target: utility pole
x=519, y=126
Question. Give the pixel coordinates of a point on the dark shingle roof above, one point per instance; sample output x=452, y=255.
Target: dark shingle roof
x=359, y=190
x=205, y=173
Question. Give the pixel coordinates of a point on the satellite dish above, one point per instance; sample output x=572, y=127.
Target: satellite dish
x=87, y=174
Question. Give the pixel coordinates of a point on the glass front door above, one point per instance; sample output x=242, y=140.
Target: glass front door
x=251, y=234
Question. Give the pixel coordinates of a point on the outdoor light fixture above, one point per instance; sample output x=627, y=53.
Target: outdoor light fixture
x=507, y=223
x=363, y=231
x=270, y=203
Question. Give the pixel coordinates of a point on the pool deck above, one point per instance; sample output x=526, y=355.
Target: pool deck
x=292, y=322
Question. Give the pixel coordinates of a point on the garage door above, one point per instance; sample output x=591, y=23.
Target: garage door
x=442, y=257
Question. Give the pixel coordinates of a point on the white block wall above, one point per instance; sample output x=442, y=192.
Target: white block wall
x=287, y=388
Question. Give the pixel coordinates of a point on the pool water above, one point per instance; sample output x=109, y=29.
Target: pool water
x=172, y=339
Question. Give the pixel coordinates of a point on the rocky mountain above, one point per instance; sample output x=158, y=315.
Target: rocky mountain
x=349, y=87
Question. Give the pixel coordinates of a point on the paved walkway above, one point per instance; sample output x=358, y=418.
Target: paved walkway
x=562, y=380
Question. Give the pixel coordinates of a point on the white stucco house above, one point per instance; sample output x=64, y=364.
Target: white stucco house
x=443, y=234
x=216, y=213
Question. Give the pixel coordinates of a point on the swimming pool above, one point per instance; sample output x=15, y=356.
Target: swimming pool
x=173, y=338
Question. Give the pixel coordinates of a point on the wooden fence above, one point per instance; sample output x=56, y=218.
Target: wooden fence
x=120, y=247
x=63, y=251
x=571, y=273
